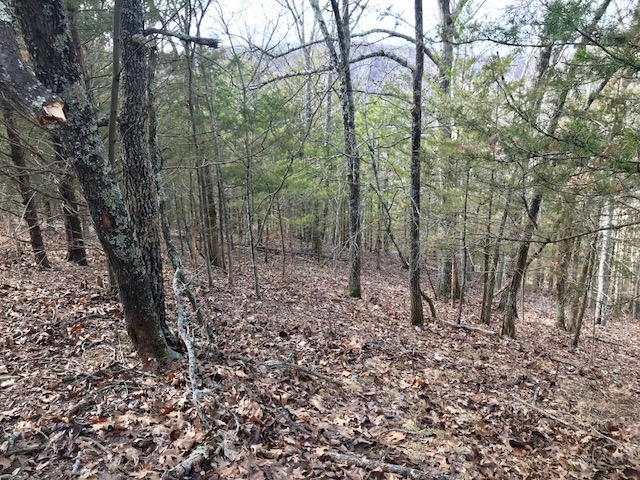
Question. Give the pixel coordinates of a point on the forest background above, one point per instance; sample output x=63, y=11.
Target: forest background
x=495, y=149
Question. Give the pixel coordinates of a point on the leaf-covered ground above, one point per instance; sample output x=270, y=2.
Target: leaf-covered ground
x=306, y=383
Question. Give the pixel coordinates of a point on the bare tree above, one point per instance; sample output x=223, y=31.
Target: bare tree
x=417, y=314
x=340, y=61
x=27, y=193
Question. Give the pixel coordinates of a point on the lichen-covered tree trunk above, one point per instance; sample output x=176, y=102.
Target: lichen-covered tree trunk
x=47, y=36
x=18, y=86
x=26, y=191
x=141, y=194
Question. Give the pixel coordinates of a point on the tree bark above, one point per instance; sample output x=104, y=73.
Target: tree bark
x=27, y=193
x=417, y=313
x=46, y=32
x=562, y=277
x=585, y=283
x=604, y=269
x=494, y=274
x=19, y=86
x=141, y=191
x=207, y=197
x=340, y=63
x=76, y=251
x=511, y=313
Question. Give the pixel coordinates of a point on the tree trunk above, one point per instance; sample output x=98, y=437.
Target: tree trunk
x=76, y=251
x=494, y=274
x=562, y=276
x=511, y=313
x=417, y=313
x=604, y=269
x=46, y=33
x=340, y=63
x=20, y=89
x=141, y=192
x=27, y=193
x=206, y=192
x=587, y=274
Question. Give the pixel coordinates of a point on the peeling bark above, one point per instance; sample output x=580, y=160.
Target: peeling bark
x=18, y=84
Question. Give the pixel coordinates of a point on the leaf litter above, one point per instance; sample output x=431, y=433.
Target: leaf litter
x=307, y=383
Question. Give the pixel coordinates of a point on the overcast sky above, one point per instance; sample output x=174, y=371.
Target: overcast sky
x=258, y=18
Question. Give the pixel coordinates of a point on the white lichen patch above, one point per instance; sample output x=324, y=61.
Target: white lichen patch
x=39, y=101
x=6, y=12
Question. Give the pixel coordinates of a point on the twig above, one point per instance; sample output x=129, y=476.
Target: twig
x=24, y=450
x=178, y=288
x=407, y=472
x=307, y=370
x=602, y=340
x=284, y=414
x=97, y=444
x=282, y=364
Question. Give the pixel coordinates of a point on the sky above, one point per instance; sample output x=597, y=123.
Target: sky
x=259, y=19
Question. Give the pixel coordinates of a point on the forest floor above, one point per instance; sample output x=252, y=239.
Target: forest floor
x=307, y=383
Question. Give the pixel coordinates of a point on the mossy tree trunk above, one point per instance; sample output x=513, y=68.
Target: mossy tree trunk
x=141, y=194
x=47, y=36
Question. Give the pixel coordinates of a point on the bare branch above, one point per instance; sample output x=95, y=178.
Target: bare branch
x=206, y=42
x=401, y=470
x=427, y=51
x=380, y=53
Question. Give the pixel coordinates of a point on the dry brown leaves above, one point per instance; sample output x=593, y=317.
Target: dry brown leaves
x=75, y=402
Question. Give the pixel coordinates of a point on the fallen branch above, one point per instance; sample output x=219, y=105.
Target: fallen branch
x=24, y=450
x=187, y=466
x=575, y=427
x=307, y=370
x=367, y=463
x=293, y=424
x=602, y=340
x=430, y=302
x=281, y=364
x=179, y=288
x=73, y=409
x=468, y=328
